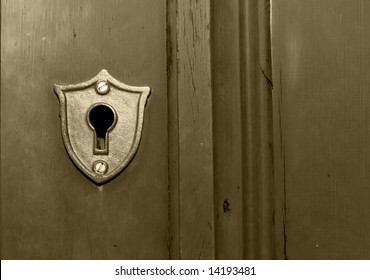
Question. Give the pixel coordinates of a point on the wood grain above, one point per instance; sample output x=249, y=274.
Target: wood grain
x=195, y=130
x=173, y=132
x=49, y=210
x=256, y=85
x=321, y=101
x=227, y=129
x=220, y=130
x=201, y=184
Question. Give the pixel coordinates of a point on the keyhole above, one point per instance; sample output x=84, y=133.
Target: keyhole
x=102, y=120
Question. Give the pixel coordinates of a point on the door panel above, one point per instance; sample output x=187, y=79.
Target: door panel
x=237, y=160
x=49, y=210
x=322, y=139
x=213, y=199
x=220, y=130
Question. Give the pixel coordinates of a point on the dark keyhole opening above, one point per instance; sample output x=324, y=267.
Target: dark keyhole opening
x=101, y=118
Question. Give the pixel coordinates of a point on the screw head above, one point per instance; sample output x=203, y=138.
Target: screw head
x=102, y=87
x=100, y=167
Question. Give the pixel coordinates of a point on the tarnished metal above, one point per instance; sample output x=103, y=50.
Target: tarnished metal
x=101, y=155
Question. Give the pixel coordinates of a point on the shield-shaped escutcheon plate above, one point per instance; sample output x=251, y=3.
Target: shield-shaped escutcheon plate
x=101, y=152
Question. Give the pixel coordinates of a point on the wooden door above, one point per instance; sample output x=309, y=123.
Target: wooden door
x=49, y=209
x=322, y=136
x=200, y=185
x=253, y=147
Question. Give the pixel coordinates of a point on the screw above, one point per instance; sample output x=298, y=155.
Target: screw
x=100, y=167
x=102, y=87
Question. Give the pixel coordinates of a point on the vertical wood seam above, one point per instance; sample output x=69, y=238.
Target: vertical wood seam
x=280, y=195
x=174, y=250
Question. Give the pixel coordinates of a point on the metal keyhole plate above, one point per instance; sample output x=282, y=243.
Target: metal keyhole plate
x=103, y=160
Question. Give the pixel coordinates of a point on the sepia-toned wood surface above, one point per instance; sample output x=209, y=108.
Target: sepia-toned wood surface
x=321, y=63
x=49, y=210
x=253, y=147
x=200, y=186
x=242, y=129
x=220, y=133
x=194, y=90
